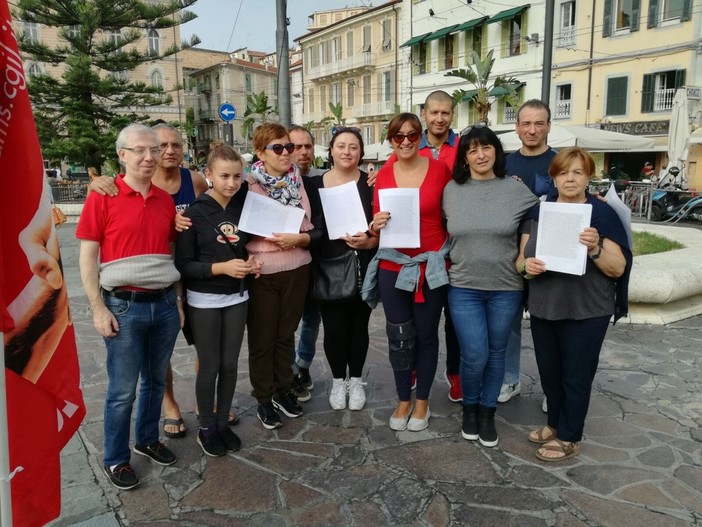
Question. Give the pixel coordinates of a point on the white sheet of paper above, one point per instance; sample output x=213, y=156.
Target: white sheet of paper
x=624, y=212
x=557, y=243
x=343, y=211
x=263, y=216
x=402, y=231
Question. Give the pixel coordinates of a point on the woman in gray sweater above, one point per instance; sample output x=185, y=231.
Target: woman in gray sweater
x=483, y=211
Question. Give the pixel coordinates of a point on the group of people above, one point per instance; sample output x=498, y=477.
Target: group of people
x=478, y=217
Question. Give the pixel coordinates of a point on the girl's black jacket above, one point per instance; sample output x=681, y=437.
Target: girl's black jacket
x=201, y=245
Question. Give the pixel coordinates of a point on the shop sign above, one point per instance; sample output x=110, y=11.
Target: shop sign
x=639, y=127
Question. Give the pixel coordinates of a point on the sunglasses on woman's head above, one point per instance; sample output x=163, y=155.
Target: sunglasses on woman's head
x=278, y=148
x=467, y=130
x=400, y=138
x=342, y=129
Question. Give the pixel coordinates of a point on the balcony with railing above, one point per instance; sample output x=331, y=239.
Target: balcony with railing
x=566, y=37
x=206, y=115
x=663, y=99
x=361, y=61
x=375, y=108
x=563, y=109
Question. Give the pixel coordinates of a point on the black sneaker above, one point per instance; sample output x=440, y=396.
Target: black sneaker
x=158, y=452
x=469, y=430
x=298, y=389
x=123, y=476
x=305, y=378
x=287, y=403
x=211, y=444
x=230, y=440
x=486, y=426
x=268, y=416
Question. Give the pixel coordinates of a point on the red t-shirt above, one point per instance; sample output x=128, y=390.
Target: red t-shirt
x=432, y=233
x=447, y=153
x=128, y=224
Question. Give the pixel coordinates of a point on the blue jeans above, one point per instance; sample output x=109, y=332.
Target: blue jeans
x=482, y=320
x=513, y=355
x=142, y=347
x=309, y=331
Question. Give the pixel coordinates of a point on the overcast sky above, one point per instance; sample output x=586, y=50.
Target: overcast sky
x=256, y=22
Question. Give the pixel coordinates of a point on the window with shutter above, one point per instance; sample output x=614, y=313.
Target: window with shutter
x=617, y=89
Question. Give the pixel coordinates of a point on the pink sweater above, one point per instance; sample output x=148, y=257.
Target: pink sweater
x=275, y=259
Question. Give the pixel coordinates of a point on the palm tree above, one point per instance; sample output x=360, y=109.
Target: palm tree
x=256, y=106
x=484, y=94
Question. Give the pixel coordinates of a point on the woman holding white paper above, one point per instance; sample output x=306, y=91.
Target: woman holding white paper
x=570, y=313
x=483, y=211
x=345, y=319
x=412, y=309
x=277, y=297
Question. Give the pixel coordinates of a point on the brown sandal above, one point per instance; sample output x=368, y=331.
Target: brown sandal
x=542, y=435
x=567, y=449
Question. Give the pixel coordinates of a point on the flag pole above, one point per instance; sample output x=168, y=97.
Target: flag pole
x=5, y=488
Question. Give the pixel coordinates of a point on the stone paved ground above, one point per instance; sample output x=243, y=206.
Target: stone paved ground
x=641, y=462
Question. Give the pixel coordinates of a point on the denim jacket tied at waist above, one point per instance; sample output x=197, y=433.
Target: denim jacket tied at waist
x=409, y=276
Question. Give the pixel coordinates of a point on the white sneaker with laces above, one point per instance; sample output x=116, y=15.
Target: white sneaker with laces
x=508, y=391
x=337, y=396
x=357, y=395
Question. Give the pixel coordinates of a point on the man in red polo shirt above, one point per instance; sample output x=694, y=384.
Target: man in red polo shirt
x=440, y=142
x=132, y=286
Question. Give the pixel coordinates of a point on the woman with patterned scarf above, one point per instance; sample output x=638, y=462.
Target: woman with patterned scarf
x=277, y=297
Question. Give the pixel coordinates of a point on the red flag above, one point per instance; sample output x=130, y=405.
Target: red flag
x=45, y=403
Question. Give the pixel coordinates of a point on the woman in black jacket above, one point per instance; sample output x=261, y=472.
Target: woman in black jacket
x=345, y=320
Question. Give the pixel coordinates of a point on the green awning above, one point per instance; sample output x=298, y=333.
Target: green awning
x=440, y=33
x=508, y=13
x=498, y=91
x=415, y=40
x=471, y=24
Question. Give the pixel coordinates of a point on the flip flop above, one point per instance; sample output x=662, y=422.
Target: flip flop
x=542, y=435
x=174, y=422
x=568, y=450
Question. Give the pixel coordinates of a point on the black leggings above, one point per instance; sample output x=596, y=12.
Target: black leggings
x=346, y=336
x=218, y=334
x=400, y=307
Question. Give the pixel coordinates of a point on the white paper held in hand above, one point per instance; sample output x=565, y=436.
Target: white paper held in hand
x=343, y=211
x=402, y=231
x=264, y=216
x=557, y=243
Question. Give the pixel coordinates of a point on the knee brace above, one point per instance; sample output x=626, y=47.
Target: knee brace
x=401, y=341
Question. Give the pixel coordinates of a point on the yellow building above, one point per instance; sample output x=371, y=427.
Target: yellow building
x=619, y=67
x=352, y=61
x=227, y=81
x=164, y=73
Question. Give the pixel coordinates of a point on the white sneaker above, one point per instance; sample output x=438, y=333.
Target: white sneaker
x=508, y=391
x=544, y=406
x=337, y=396
x=357, y=395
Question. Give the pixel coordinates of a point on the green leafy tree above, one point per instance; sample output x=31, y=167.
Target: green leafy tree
x=79, y=114
x=257, y=109
x=484, y=93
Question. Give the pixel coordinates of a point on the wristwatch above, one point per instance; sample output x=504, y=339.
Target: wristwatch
x=180, y=298
x=599, y=249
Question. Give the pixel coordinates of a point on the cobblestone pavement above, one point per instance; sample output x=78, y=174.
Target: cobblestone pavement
x=641, y=461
